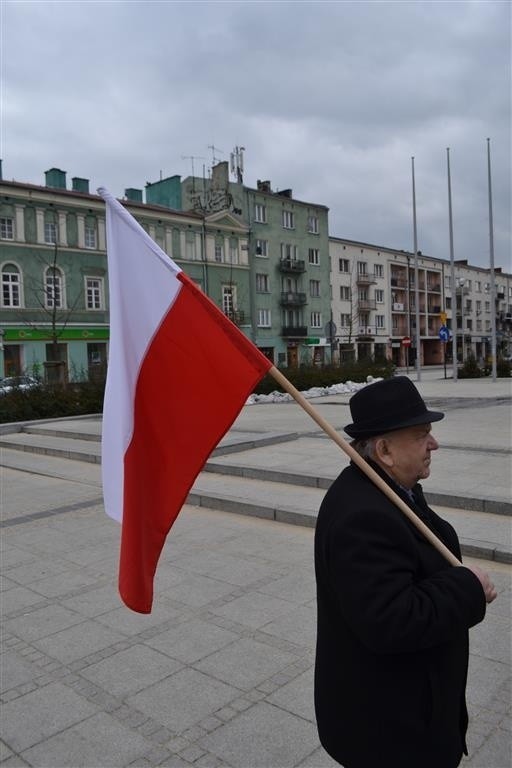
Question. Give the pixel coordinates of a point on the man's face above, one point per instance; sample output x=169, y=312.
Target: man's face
x=407, y=456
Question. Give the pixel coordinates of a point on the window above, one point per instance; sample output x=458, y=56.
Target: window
x=314, y=256
x=378, y=270
x=379, y=321
x=262, y=284
x=345, y=320
x=487, y=287
x=478, y=305
x=361, y=268
x=314, y=288
x=90, y=236
x=379, y=296
x=469, y=324
x=447, y=281
x=53, y=289
x=190, y=246
x=219, y=252
x=6, y=228
x=448, y=302
x=344, y=265
x=487, y=306
x=289, y=252
x=11, y=288
x=94, y=292
x=50, y=232
x=288, y=220
x=479, y=325
x=262, y=248
x=233, y=251
x=260, y=213
x=478, y=286
x=228, y=299
x=316, y=319
x=345, y=292
x=313, y=224
x=264, y=318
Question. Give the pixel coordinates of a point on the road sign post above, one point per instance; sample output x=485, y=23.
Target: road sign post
x=406, y=342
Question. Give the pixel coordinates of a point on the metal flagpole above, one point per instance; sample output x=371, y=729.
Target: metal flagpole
x=416, y=278
x=452, y=274
x=491, y=252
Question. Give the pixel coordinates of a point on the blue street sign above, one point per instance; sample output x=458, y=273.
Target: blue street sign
x=444, y=333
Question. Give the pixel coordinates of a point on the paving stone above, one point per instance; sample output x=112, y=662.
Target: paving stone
x=75, y=642
x=296, y=696
x=42, y=622
x=245, y=663
x=192, y=640
x=251, y=738
x=40, y=721
x=15, y=671
x=96, y=741
x=131, y=670
x=183, y=699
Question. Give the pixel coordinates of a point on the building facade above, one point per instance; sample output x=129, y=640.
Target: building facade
x=54, y=299
x=376, y=291
x=288, y=247
x=264, y=258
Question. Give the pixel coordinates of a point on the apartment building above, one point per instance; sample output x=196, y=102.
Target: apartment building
x=54, y=298
x=376, y=291
x=288, y=246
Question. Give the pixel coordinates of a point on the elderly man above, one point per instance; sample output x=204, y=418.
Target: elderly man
x=393, y=614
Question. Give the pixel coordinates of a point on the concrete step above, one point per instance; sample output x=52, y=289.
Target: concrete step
x=64, y=447
x=482, y=534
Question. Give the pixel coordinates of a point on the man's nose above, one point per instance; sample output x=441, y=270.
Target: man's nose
x=433, y=445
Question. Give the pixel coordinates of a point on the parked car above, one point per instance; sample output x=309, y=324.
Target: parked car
x=21, y=383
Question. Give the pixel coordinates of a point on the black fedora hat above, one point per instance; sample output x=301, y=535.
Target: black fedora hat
x=388, y=405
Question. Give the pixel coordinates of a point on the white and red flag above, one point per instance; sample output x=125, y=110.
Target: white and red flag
x=179, y=373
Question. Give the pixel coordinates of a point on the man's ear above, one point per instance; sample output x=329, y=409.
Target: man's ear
x=383, y=452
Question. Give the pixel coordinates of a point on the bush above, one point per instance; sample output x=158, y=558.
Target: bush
x=503, y=368
x=47, y=402
x=470, y=369
x=307, y=376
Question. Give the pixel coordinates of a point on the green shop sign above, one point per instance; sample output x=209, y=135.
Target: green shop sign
x=68, y=334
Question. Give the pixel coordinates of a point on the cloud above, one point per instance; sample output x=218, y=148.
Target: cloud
x=331, y=99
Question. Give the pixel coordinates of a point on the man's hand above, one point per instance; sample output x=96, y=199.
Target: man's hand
x=485, y=580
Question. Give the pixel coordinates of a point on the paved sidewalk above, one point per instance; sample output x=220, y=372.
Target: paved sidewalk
x=221, y=673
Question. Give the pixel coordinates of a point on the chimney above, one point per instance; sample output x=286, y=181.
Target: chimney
x=263, y=186
x=80, y=185
x=55, y=178
x=133, y=195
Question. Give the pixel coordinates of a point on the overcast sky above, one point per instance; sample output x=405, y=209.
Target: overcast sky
x=331, y=99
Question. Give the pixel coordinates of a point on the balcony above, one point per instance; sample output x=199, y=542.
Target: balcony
x=237, y=316
x=292, y=265
x=434, y=288
x=365, y=304
x=398, y=306
x=365, y=278
x=365, y=332
x=291, y=299
x=294, y=331
x=434, y=309
x=399, y=282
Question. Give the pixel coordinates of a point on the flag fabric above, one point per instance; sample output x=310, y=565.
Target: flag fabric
x=179, y=373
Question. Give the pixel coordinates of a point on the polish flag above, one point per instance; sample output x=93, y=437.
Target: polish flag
x=179, y=373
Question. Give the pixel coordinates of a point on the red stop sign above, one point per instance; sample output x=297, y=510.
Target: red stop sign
x=406, y=341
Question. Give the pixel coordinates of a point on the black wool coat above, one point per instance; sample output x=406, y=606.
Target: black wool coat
x=392, y=642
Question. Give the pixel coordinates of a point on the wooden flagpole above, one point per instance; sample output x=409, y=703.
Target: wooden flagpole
x=363, y=465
